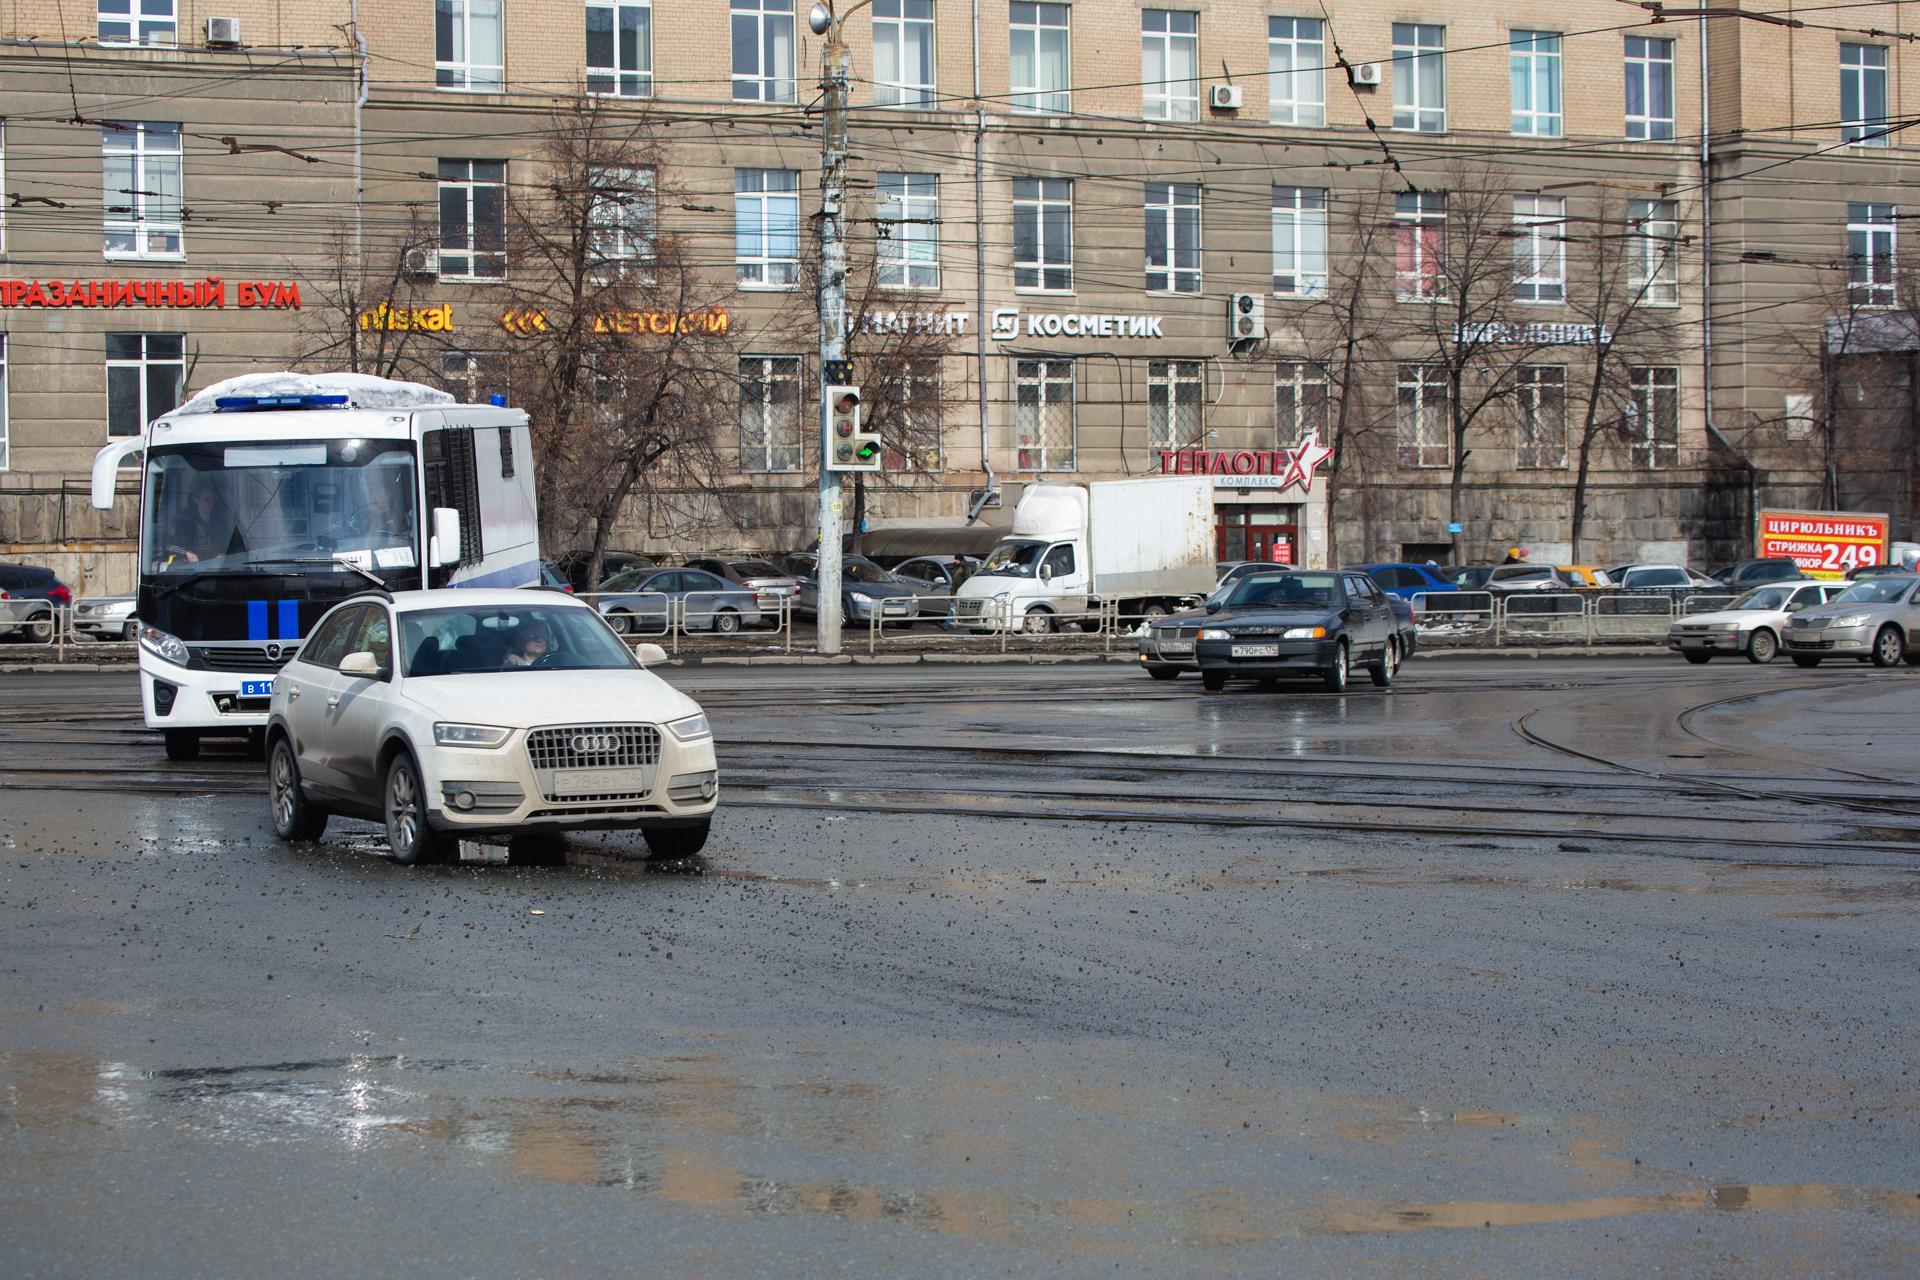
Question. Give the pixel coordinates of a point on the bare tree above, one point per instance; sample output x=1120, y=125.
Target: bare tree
x=370, y=316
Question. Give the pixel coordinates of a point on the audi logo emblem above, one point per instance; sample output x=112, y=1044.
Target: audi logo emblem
x=595, y=744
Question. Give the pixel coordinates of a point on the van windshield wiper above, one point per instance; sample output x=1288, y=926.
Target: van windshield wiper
x=334, y=561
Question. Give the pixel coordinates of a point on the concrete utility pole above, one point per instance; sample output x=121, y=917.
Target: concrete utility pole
x=823, y=21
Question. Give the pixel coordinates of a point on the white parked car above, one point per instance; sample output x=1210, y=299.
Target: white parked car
x=1662, y=577
x=444, y=714
x=1750, y=625
x=105, y=618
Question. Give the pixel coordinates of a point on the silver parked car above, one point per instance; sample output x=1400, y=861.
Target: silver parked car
x=638, y=601
x=1877, y=620
x=1749, y=626
x=105, y=618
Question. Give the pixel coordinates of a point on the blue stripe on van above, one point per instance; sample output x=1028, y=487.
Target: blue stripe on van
x=289, y=620
x=256, y=619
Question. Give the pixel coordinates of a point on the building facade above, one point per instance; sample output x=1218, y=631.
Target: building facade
x=1522, y=276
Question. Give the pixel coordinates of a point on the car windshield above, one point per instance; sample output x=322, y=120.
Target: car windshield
x=1773, y=598
x=463, y=641
x=1284, y=591
x=1879, y=591
x=1470, y=577
x=866, y=571
x=627, y=579
x=1015, y=559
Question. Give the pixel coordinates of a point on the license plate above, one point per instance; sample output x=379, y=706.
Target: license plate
x=1179, y=646
x=593, y=782
x=256, y=688
x=892, y=607
x=1256, y=651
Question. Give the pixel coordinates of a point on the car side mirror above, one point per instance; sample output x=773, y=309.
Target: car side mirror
x=650, y=655
x=1794, y=606
x=444, y=547
x=1213, y=606
x=363, y=665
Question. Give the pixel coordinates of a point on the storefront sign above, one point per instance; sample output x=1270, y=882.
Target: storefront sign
x=195, y=294
x=1250, y=468
x=1283, y=550
x=1825, y=544
x=1508, y=333
x=398, y=319
x=1054, y=324
x=711, y=320
x=944, y=323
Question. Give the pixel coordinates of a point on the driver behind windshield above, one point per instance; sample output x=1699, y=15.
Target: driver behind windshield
x=530, y=642
x=205, y=530
x=384, y=521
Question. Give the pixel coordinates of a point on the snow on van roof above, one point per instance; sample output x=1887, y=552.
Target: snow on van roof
x=363, y=391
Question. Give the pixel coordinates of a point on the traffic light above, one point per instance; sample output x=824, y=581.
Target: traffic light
x=850, y=446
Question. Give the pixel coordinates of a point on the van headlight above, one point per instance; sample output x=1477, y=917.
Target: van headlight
x=160, y=644
x=691, y=729
x=469, y=735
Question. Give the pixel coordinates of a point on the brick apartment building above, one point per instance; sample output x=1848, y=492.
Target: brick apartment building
x=1445, y=215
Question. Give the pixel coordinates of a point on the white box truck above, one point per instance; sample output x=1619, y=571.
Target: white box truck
x=1074, y=549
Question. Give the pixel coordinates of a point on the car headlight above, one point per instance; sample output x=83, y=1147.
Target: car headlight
x=469, y=735
x=691, y=729
x=1304, y=633
x=1723, y=626
x=170, y=648
x=859, y=597
x=1852, y=620
x=1215, y=633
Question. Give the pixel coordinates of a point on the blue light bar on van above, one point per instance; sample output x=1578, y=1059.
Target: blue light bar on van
x=250, y=404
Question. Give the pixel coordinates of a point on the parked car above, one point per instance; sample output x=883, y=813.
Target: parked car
x=1166, y=645
x=456, y=713
x=866, y=591
x=29, y=595
x=1317, y=623
x=574, y=565
x=637, y=602
x=1876, y=571
x=1584, y=575
x=1671, y=578
x=771, y=588
x=1503, y=578
x=935, y=575
x=1754, y=573
x=1750, y=625
x=105, y=618
x=552, y=579
x=1405, y=580
x=1877, y=620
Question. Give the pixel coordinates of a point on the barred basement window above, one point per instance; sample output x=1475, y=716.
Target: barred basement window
x=1176, y=395
x=1540, y=407
x=1422, y=420
x=1043, y=415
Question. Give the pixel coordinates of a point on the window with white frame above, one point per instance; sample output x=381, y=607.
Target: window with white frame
x=1170, y=64
x=1863, y=94
x=763, y=50
x=137, y=22
x=903, y=52
x=910, y=439
x=766, y=227
x=620, y=48
x=1540, y=412
x=1043, y=234
x=1649, y=88
x=6, y=461
x=1539, y=249
x=908, y=228
x=1421, y=418
x=622, y=214
x=1299, y=402
x=473, y=219
x=145, y=375
x=141, y=168
x=1176, y=394
x=1419, y=246
x=1653, y=415
x=1534, y=65
x=1655, y=265
x=770, y=429
x=1300, y=241
x=1419, y=77
x=469, y=47
x=1870, y=281
x=1173, y=237
x=1296, y=71
x=474, y=376
x=1043, y=415
x=1040, y=57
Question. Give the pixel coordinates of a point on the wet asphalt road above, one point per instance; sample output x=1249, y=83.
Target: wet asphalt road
x=1003, y=971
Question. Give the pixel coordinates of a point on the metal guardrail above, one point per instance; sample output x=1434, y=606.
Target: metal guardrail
x=1456, y=614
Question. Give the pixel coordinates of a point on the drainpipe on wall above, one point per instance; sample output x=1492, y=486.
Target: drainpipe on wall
x=359, y=109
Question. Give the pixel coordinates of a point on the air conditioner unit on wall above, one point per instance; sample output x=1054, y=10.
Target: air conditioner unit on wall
x=420, y=264
x=223, y=32
x=1226, y=97
x=1246, y=318
x=1366, y=73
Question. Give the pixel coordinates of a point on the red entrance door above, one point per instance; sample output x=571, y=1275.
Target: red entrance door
x=1244, y=535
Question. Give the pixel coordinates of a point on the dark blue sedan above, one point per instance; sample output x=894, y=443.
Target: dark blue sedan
x=1405, y=580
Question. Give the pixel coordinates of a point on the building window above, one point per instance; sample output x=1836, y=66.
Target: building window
x=473, y=377
x=3, y=187
x=766, y=227
x=762, y=50
x=620, y=48
x=1653, y=415
x=1540, y=405
x=911, y=439
x=1170, y=64
x=1656, y=262
x=1300, y=241
x=1863, y=94
x=1039, y=57
x=1539, y=249
x=909, y=230
x=1043, y=234
x=1419, y=246
x=1043, y=415
x=1173, y=237
x=1870, y=255
x=1421, y=419
x=473, y=219
x=6, y=461
x=903, y=52
x=770, y=434
x=1296, y=71
x=622, y=216
x=141, y=179
x=469, y=48
x=1419, y=77
x=1649, y=88
x=136, y=22
x=1535, y=72
x=1299, y=402
x=145, y=373
x=1176, y=390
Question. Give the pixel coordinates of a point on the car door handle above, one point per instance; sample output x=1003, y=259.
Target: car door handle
x=333, y=702
x=293, y=693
